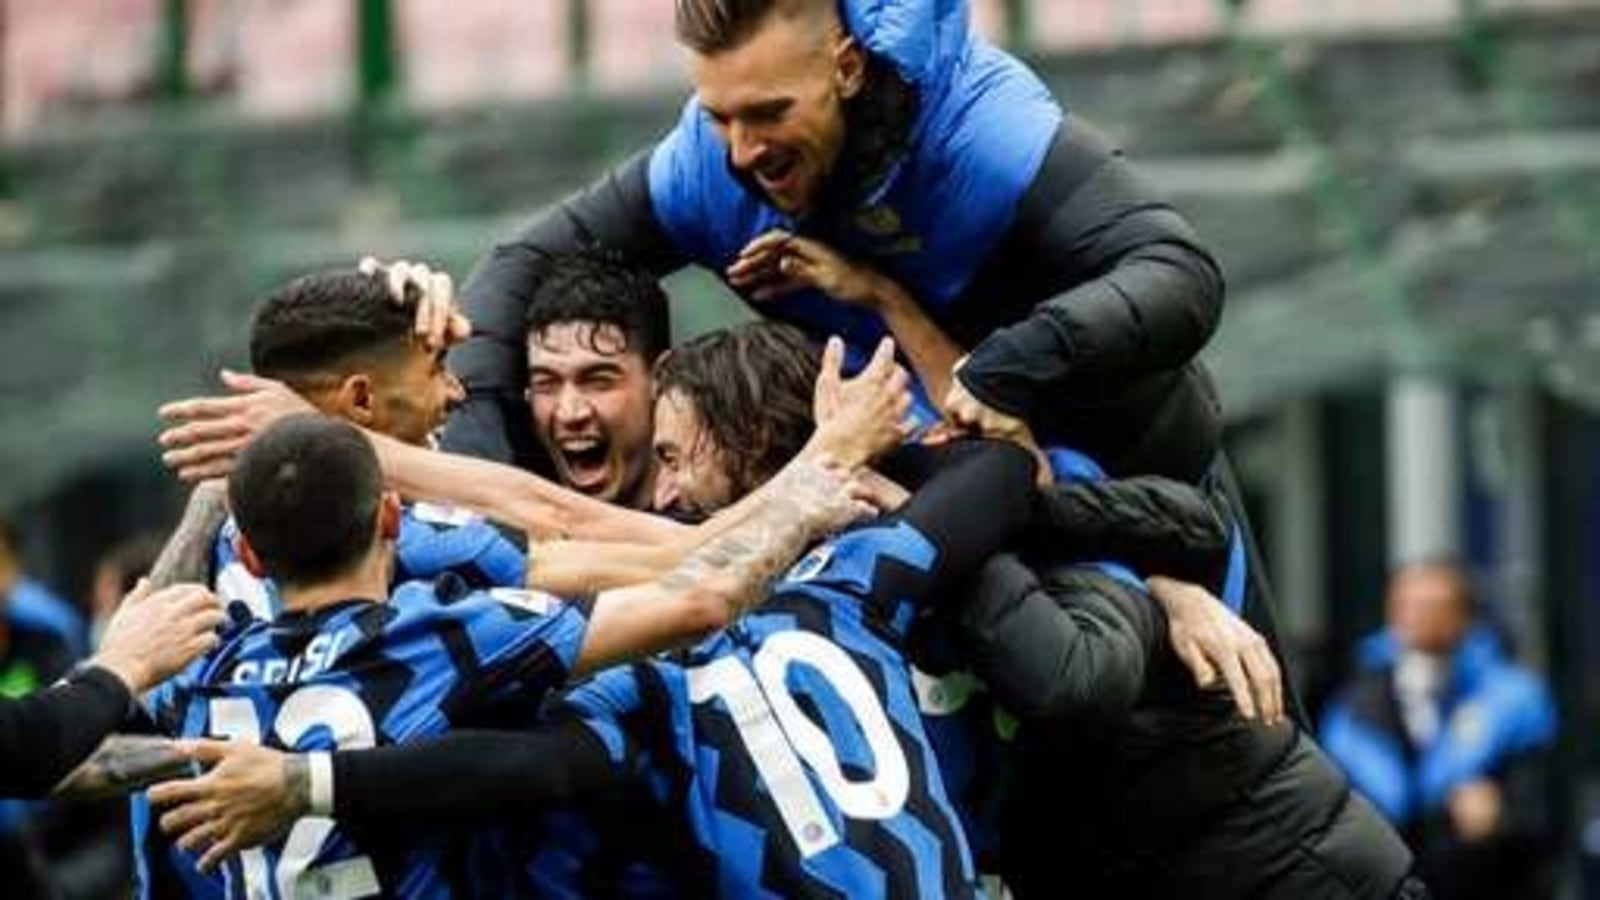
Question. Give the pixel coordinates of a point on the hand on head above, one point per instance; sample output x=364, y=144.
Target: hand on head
x=440, y=324
x=204, y=434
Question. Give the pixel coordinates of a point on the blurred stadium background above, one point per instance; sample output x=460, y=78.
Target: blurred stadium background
x=1403, y=194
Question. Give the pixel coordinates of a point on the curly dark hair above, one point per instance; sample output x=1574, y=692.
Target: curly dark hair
x=751, y=388
x=319, y=323
x=600, y=288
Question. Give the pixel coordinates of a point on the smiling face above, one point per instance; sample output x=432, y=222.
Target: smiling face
x=590, y=395
x=777, y=100
x=690, y=459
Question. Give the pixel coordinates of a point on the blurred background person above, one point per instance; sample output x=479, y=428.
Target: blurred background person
x=1444, y=732
x=118, y=570
x=29, y=603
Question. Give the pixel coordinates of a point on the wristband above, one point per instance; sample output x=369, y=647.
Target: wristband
x=319, y=767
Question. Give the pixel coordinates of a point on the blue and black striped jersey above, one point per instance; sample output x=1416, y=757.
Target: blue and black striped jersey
x=359, y=674
x=792, y=742
x=434, y=540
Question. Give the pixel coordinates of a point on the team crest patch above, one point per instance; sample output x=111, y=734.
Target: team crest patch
x=810, y=565
x=536, y=602
x=878, y=221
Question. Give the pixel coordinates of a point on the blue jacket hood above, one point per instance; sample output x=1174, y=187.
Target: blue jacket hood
x=924, y=40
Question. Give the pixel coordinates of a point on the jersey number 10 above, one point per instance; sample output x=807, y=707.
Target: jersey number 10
x=779, y=736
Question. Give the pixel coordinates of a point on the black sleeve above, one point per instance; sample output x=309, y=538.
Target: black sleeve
x=616, y=213
x=46, y=735
x=472, y=776
x=1144, y=295
x=1153, y=525
x=978, y=502
x=1072, y=644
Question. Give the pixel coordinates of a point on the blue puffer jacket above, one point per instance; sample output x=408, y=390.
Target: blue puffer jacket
x=983, y=125
x=1492, y=712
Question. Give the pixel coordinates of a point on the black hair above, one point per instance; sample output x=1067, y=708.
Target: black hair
x=751, y=387
x=319, y=323
x=600, y=288
x=305, y=493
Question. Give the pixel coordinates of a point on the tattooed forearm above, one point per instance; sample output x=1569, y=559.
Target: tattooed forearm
x=122, y=764
x=187, y=554
x=807, y=502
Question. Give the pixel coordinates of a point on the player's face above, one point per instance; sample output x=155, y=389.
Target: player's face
x=689, y=457
x=777, y=102
x=591, y=395
x=1426, y=609
x=414, y=395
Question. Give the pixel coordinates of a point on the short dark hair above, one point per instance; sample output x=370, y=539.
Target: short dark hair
x=751, y=386
x=305, y=493
x=712, y=26
x=319, y=323
x=601, y=287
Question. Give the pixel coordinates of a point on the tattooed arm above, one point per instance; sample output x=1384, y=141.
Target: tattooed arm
x=159, y=628
x=122, y=764
x=722, y=579
x=187, y=553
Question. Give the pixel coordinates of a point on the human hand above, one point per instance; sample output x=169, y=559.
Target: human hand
x=1475, y=809
x=439, y=323
x=1209, y=639
x=779, y=263
x=155, y=633
x=204, y=434
x=249, y=796
x=972, y=414
x=860, y=418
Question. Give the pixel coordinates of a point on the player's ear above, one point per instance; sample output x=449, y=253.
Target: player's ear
x=356, y=399
x=849, y=66
x=389, y=516
x=247, y=556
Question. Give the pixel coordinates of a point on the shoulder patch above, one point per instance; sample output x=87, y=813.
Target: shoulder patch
x=442, y=514
x=811, y=565
x=536, y=602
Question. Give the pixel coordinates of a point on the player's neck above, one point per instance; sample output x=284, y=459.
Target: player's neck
x=367, y=581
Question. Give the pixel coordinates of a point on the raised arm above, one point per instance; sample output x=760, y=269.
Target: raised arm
x=614, y=212
x=1145, y=296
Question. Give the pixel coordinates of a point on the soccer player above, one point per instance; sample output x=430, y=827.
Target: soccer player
x=595, y=326
x=889, y=131
x=344, y=667
x=526, y=767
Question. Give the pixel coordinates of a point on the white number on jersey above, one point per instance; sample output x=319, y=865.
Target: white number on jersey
x=779, y=736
